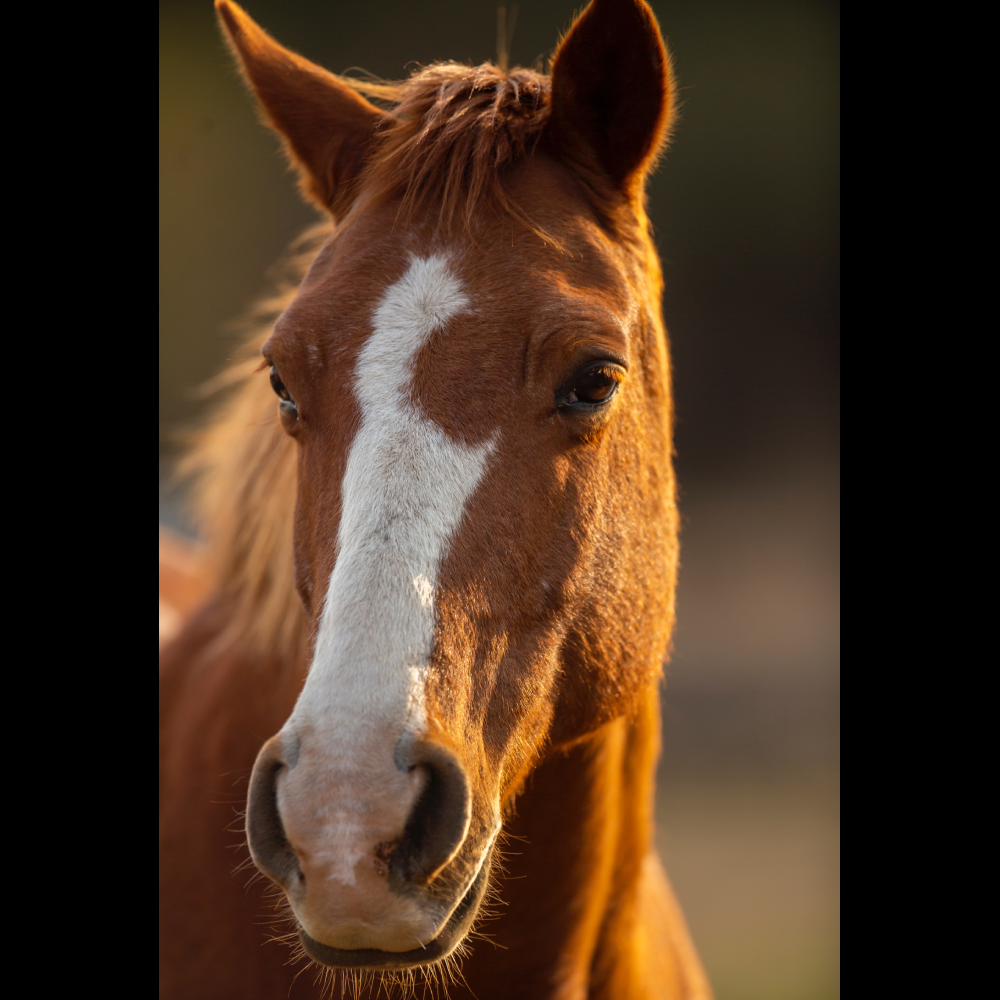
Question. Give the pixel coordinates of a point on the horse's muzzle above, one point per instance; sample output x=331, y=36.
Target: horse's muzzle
x=450, y=936
x=372, y=862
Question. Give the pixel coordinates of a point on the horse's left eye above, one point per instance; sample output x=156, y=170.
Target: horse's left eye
x=594, y=386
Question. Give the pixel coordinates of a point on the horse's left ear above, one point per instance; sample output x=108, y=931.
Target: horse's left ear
x=611, y=91
x=326, y=126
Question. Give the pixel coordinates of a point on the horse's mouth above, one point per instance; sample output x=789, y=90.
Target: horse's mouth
x=443, y=945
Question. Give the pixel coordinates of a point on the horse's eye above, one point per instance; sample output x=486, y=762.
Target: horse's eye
x=287, y=407
x=593, y=386
x=278, y=386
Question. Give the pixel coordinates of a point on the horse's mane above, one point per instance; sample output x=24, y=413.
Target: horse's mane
x=243, y=468
x=447, y=135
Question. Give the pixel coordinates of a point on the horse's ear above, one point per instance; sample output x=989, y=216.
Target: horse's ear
x=326, y=126
x=611, y=91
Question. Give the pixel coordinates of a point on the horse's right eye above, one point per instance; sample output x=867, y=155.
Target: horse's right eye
x=287, y=406
x=279, y=387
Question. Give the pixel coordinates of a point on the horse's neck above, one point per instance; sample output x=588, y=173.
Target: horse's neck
x=572, y=895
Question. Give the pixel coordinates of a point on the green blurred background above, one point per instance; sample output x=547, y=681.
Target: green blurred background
x=745, y=207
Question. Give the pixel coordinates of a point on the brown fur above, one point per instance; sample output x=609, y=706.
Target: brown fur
x=555, y=601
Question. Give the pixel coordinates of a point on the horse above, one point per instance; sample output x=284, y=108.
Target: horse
x=441, y=527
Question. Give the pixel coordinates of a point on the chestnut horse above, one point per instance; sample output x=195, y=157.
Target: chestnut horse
x=442, y=524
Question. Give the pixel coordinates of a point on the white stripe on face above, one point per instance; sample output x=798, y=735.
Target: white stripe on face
x=403, y=494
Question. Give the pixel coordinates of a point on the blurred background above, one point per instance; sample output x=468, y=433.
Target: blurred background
x=745, y=207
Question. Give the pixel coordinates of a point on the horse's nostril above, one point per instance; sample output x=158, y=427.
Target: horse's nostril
x=269, y=847
x=439, y=821
x=437, y=824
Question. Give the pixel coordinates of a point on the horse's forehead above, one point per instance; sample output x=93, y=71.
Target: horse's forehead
x=516, y=289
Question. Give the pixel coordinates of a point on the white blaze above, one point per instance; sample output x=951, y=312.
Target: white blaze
x=403, y=495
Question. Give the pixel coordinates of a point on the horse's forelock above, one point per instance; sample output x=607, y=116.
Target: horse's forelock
x=451, y=132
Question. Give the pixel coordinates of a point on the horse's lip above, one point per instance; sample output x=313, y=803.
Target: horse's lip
x=374, y=958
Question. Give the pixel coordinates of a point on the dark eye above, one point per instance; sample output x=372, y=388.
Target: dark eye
x=289, y=411
x=593, y=386
x=278, y=386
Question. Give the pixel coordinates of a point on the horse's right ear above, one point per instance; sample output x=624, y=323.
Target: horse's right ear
x=326, y=126
x=611, y=92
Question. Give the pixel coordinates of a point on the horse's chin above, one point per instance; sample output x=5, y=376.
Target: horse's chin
x=452, y=935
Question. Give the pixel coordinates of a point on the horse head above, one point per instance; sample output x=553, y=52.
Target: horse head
x=475, y=373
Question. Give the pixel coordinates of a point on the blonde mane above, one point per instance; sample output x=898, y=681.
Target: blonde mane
x=243, y=468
